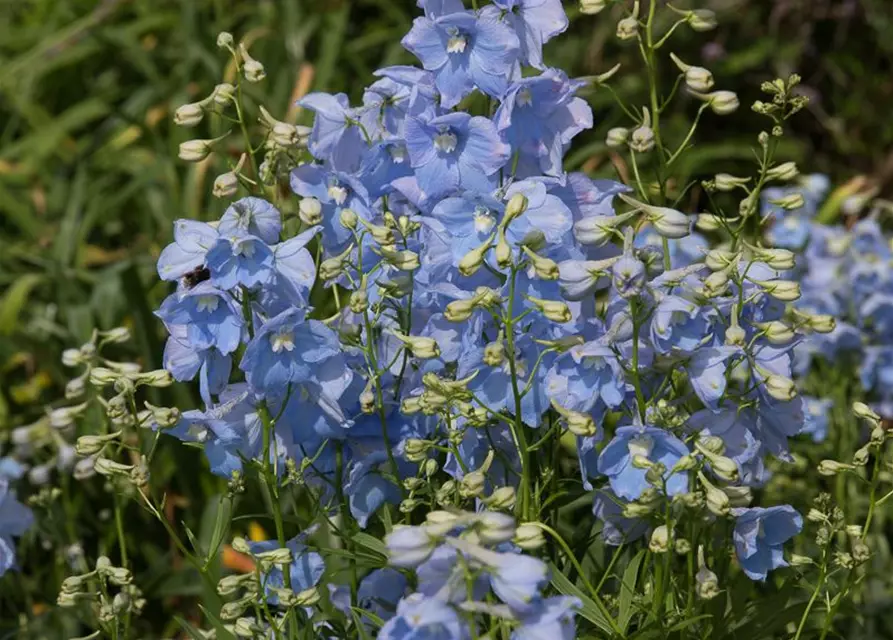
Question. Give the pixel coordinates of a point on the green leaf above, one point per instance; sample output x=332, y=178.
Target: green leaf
x=628, y=590
x=372, y=543
x=14, y=301
x=590, y=610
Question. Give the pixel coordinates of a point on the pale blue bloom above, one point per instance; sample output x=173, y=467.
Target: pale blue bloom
x=550, y=619
x=535, y=22
x=656, y=445
x=15, y=520
x=465, y=51
x=192, y=241
x=210, y=316
x=760, y=535
x=305, y=570
x=539, y=116
x=252, y=216
x=455, y=152
x=421, y=618
x=336, y=136
x=616, y=529
x=518, y=579
x=240, y=260
x=288, y=349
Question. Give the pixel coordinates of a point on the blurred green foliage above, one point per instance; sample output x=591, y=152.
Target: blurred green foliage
x=90, y=182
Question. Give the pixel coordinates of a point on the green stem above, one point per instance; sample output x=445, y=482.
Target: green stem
x=517, y=424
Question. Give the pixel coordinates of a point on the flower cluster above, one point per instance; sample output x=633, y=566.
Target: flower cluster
x=484, y=296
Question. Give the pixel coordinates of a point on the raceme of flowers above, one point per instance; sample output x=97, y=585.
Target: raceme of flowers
x=481, y=299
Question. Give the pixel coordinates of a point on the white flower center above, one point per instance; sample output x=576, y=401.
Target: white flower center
x=457, y=41
x=398, y=154
x=446, y=141
x=641, y=445
x=520, y=368
x=525, y=99
x=596, y=363
x=198, y=432
x=283, y=341
x=483, y=221
x=207, y=303
x=243, y=247
x=338, y=194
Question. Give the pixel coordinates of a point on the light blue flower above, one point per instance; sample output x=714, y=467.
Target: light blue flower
x=210, y=316
x=192, y=241
x=586, y=374
x=651, y=443
x=539, y=116
x=421, y=618
x=287, y=349
x=336, y=136
x=550, y=619
x=760, y=535
x=15, y=520
x=455, y=152
x=185, y=362
x=535, y=22
x=465, y=51
x=239, y=260
x=680, y=325
x=254, y=217
x=518, y=579
x=335, y=192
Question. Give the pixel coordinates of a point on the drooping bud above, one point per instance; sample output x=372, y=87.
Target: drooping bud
x=642, y=139
x=627, y=28
x=554, y=310
x=617, y=137
x=660, y=539
x=545, y=268
x=785, y=171
x=474, y=259
x=529, y=537
x=726, y=182
x=708, y=583
x=253, y=70
x=189, y=115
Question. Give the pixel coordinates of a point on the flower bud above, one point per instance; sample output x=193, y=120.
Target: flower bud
x=494, y=527
x=779, y=387
x=578, y=423
x=698, y=79
x=415, y=449
x=785, y=171
x=707, y=582
x=223, y=94
x=516, y=206
x=617, y=137
x=253, y=70
x=502, y=499
x=642, y=139
x=822, y=323
x=784, y=290
x=722, y=103
x=701, y=20
x=90, y=445
x=739, y=496
x=627, y=28
x=778, y=259
x=554, y=310
x=660, y=539
x=717, y=500
x=708, y=222
x=348, y=219
x=420, y=347
x=459, y=310
x=545, y=268
x=158, y=378
x=592, y=7
x=440, y=523
x=310, y=211
x=474, y=259
x=726, y=182
x=833, y=467
x=776, y=332
x=719, y=259
x=189, y=115
x=472, y=484
x=409, y=547
x=100, y=376
x=715, y=284
x=863, y=411
x=529, y=537
x=790, y=202
x=307, y=597
x=106, y=467
x=225, y=40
